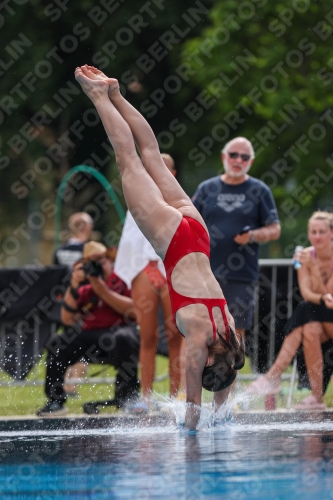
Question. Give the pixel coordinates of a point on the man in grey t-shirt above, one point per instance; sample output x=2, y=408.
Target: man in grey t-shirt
x=240, y=213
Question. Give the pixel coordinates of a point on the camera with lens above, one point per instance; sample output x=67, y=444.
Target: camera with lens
x=93, y=268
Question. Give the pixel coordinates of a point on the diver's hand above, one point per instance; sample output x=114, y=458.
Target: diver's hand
x=192, y=416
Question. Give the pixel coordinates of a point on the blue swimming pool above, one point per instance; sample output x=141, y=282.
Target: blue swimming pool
x=271, y=461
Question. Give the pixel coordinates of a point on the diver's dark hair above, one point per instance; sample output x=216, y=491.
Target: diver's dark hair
x=222, y=372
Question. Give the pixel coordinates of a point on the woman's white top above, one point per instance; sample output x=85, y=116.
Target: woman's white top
x=134, y=253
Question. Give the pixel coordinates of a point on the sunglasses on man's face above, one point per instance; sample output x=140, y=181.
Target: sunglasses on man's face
x=236, y=155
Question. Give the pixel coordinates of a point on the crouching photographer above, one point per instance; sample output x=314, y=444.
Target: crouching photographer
x=101, y=328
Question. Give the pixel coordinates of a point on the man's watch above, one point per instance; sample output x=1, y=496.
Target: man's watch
x=251, y=240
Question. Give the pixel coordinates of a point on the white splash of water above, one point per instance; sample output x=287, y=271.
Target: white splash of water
x=210, y=417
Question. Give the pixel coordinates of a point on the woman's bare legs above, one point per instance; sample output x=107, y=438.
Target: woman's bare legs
x=146, y=300
x=174, y=340
x=146, y=305
x=156, y=219
x=147, y=144
x=289, y=348
x=270, y=382
x=314, y=335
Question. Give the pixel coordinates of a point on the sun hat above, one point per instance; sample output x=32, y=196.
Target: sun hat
x=93, y=249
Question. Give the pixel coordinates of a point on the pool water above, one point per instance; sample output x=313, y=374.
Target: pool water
x=232, y=461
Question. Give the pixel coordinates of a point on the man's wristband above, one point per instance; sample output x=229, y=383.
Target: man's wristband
x=322, y=301
x=74, y=292
x=69, y=308
x=251, y=237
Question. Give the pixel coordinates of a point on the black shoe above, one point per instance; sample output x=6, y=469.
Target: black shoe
x=93, y=407
x=52, y=408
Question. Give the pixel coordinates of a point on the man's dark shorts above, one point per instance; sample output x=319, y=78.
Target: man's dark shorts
x=240, y=297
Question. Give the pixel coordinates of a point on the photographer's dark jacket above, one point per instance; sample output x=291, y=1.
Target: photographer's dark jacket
x=96, y=312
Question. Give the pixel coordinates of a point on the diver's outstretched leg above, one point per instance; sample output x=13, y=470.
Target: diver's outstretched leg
x=157, y=220
x=147, y=144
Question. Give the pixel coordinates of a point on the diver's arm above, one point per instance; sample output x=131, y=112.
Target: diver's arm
x=196, y=357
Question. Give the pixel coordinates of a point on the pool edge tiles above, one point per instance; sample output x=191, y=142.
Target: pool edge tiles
x=283, y=416
x=82, y=422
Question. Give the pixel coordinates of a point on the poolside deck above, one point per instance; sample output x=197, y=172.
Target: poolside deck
x=114, y=421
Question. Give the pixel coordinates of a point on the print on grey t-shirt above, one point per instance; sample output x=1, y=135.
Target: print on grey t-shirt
x=229, y=202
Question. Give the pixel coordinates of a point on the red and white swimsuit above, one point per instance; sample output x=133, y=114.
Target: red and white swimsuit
x=189, y=237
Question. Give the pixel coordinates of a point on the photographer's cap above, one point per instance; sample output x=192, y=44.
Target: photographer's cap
x=93, y=249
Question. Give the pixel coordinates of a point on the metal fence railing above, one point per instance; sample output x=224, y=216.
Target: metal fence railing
x=271, y=285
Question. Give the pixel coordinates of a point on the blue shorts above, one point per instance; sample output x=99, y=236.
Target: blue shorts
x=240, y=297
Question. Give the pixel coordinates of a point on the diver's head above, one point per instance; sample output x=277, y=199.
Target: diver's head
x=225, y=358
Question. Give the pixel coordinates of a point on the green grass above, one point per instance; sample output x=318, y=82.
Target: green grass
x=26, y=400
x=18, y=401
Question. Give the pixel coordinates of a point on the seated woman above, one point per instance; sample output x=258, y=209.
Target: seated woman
x=177, y=232
x=312, y=321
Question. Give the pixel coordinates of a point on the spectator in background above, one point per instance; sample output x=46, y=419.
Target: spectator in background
x=312, y=321
x=80, y=226
x=240, y=213
x=138, y=265
x=104, y=308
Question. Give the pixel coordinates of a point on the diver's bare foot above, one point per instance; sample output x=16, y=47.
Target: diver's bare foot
x=94, y=88
x=97, y=74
